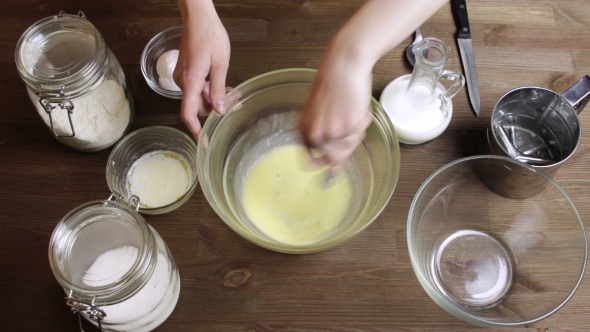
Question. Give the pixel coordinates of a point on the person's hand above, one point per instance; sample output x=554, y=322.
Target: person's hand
x=337, y=112
x=204, y=52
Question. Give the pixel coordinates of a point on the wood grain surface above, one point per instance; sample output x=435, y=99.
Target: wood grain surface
x=228, y=284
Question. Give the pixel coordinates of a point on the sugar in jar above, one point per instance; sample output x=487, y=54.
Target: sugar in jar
x=115, y=269
x=75, y=82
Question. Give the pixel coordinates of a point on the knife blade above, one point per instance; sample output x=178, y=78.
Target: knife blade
x=466, y=50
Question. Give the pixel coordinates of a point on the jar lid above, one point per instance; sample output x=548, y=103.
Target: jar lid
x=61, y=50
x=102, y=252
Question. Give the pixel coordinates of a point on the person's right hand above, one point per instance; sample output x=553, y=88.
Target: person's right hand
x=337, y=112
x=204, y=52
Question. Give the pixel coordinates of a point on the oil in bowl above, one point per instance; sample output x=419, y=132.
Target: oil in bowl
x=156, y=166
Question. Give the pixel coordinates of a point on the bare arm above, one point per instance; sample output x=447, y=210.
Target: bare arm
x=336, y=114
x=204, y=51
x=380, y=25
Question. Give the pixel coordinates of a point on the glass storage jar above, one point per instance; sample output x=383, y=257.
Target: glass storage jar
x=115, y=269
x=75, y=82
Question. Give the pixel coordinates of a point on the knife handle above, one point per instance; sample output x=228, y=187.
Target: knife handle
x=460, y=11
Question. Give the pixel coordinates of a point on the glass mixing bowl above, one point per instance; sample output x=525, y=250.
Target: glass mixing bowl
x=263, y=115
x=490, y=259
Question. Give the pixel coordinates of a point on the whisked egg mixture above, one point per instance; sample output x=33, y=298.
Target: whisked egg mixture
x=290, y=203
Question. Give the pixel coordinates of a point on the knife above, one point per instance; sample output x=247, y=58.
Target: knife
x=466, y=50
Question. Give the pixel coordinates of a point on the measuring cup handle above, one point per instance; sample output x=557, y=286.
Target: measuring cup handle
x=459, y=82
x=578, y=94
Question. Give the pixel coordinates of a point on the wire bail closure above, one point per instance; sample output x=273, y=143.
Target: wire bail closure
x=80, y=306
x=79, y=14
x=49, y=97
x=132, y=204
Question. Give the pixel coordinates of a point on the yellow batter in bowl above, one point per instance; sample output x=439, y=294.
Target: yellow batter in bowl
x=290, y=203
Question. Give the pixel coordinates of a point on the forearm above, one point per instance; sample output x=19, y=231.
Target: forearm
x=192, y=9
x=379, y=26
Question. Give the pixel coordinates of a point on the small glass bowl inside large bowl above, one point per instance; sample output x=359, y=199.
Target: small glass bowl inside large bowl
x=263, y=115
x=489, y=259
x=151, y=140
x=163, y=42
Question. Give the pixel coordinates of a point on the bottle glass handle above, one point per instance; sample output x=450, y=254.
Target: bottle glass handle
x=458, y=83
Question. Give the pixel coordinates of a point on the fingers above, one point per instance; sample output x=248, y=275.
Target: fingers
x=233, y=102
x=206, y=92
x=337, y=152
x=206, y=108
x=229, y=104
x=192, y=102
x=217, y=85
x=323, y=131
x=332, y=143
x=190, y=119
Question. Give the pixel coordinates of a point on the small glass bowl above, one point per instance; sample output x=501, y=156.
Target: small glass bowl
x=142, y=141
x=164, y=41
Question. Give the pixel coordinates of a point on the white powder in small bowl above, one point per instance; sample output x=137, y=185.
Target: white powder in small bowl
x=159, y=178
x=165, y=68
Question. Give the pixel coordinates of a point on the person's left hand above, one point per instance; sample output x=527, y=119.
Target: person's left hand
x=337, y=112
x=204, y=52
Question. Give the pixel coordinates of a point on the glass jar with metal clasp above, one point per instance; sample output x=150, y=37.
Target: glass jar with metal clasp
x=115, y=269
x=75, y=82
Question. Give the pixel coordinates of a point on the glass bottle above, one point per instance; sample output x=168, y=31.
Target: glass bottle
x=115, y=269
x=432, y=56
x=75, y=82
x=418, y=105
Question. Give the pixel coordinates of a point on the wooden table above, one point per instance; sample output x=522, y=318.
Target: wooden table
x=229, y=284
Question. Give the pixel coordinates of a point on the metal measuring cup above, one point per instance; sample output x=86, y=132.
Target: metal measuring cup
x=539, y=127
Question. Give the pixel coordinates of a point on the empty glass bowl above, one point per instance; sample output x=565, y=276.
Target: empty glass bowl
x=489, y=259
x=160, y=142
x=163, y=42
x=263, y=115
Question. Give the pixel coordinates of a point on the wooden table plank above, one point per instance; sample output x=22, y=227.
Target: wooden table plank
x=229, y=284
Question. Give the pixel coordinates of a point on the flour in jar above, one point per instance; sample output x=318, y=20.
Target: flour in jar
x=99, y=118
x=147, y=308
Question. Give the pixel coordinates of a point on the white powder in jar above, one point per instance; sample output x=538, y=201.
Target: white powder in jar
x=159, y=178
x=99, y=118
x=147, y=308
